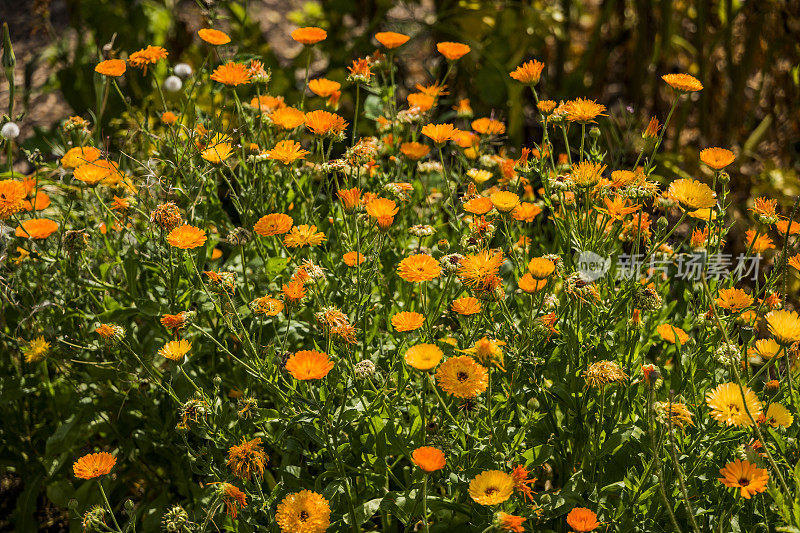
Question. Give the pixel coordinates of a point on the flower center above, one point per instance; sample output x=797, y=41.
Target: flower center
x=462, y=376
x=303, y=516
x=491, y=491
x=744, y=482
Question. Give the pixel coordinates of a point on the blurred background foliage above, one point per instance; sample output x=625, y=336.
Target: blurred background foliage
x=747, y=55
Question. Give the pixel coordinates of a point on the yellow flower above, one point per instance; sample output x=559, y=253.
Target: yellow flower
x=303, y=235
x=423, y=356
x=745, y=476
x=407, y=321
x=303, y=512
x=784, y=326
x=175, y=350
x=487, y=351
x=491, y=487
x=462, y=377
x=439, y=133
x=734, y=300
x=466, y=306
x=692, y=194
x=602, y=373
x=80, y=155
x=504, y=201
x=728, y=406
x=12, y=196
x=583, y=110
x=778, y=416
x=218, y=150
x=479, y=271
x=36, y=350
x=683, y=83
x=717, y=158
x=287, y=152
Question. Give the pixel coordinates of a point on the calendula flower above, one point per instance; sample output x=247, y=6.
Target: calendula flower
x=324, y=87
x=466, y=306
x=526, y=212
x=352, y=259
x=287, y=118
x=777, y=416
x=418, y=268
x=303, y=512
x=309, y=35
x=287, y=152
x=36, y=228
x=651, y=132
x=794, y=262
x=186, y=237
x=683, y=83
x=758, y=242
x=675, y=413
x=602, y=373
x=233, y=498
x=583, y=110
x=175, y=350
x=529, y=72
x=766, y=348
x=212, y=36
x=381, y=208
x=267, y=103
x=541, y=267
x=504, y=201
x=322, y=122
x=79, y=155
x=391, y=39
x=414, y=150
x=462, y=377
x=12, y=196
x=94, y=465
x=360, y=70
x=488, y=126
x=586, y=173
x=530, y=284
x=734, y=300
x=36, y=350
x=267, y=306
x=692, y=194
x=581, y=519
x=421, y=101
x=231, y=74
x=303, y=235
x=273, y=224
x=510, y=522
x=309, y=364
x=218, y=149
x=479, y=176
x=479, y=206
x=784, y=326
x=487, y=351
x=428, y=458
x=546, y=107
x=111, y=68
x=764, y=210
x=475, y=270
x=491, y=487
x=617, y=208
x=717, y=158
x=96, y=171
x=247, y=458
x=672, y=334
x=423, y=356
x=147, y=56
x=439, y=133
x=110, y=331
x=293, y=292
x=522, y=483
x=728, y=406
x=407, y=321
x=453, y=51
x=350, y=198
x=745, y=476
x=175, y=322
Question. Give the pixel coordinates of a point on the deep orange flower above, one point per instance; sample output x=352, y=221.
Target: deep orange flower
x=783, y=227
x=80, y=155
x=168, y=117
x=466, y=306
x=212, y=36
x=418, y=268
x=266, y=103
x=234, y=498
x=414, y=150
x=423, y=356
x=94, y=465
x=111, y=68
x=231, y=74
x=36, y=228
x=453, y=51
x=39, y=202
x=309, y=364
x=510, y=522
x=488, y=126
x=390, y=39
x=293, y=292
x=273, y=224
x=96, y=171
x=186, y=237
x=287, y=118
x=717, y=158
x=147, y=56
x=407, y=321
x=12, y=196
x=174, y=322
x=530, y=284
x=379, y=208
x=309, y=35
x=423, y=102
x=352, y=258
x=582, y=520
x=583, y=110
x=526, y=212
x=528, y=73
x=287, y=152
x=303, y=235
x=672, y=334
x=350, y=198
x=247, y=458
x=683, y=83
x=522, y=482
x=745, y=476
x=361, y=70
x=478, y=271
x=758, y=242
x=322, y=122
x=428, y=458
x=439, y=133
x=324, y=87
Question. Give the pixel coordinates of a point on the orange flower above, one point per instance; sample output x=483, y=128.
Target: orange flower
x=783, y=227
x=390, y=39
x=510, y=522
x=379, y=208
x=439, y=133
x=322, y=122
x=526, y=212
x=94, y=465
x=174, y=322
x=273, y=224
x=479, y=206
x=504, y=201
x=466, y=306
x=428, y=458
x=287, y=118
x=266, y=103
x=12, y=197
x=541, y=267
x=672, y=334
x=186, y=237
x=233, y=498
x=717, y=158
x=111, y=68
x=683, y=83
x=414, y=150
x=350, y=198
x=418, y=268
x=352, y=258
x=453, y=51
x=583, y=110
x=40, y=201
x=168, y=117
x=147, y=56
x=745, y=476
x=293, y=292
x=522, y=482
x=287, y=152
x=692, y=194
x=96, y=171
x=758, y=242
x=309, y=35
x=80, y=155
x=212, y=36
x=36, y=228
x=407, y=321
x=423, y=356
x=303, y=235
x=734, y=300
x=581, y=519
x=247, y=458
x=488, y=126
x=309, y=364
x=530, y=285
x=218, y=149
x=479, y=271
x=360, y=70
x=231, y=73
x=324, y=87
x=528, y=73
x=421, y=101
